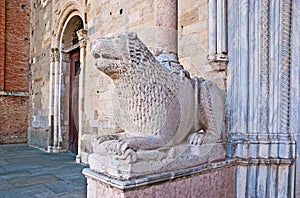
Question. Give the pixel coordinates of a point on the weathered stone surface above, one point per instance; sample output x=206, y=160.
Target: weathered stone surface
x=163, y=112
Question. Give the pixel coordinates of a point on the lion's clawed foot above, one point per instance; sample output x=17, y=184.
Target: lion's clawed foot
x=196, y=138
x=104, y=138
x=122, y=150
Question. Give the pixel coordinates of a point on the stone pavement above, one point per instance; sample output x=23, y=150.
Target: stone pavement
x=29, y=172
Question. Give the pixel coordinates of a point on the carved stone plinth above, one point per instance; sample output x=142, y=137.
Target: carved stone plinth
x=185, y=156
x=209, y=180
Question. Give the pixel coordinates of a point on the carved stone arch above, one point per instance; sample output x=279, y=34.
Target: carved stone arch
x=70, y=9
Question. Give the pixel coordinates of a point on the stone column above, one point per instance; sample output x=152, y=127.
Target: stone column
x=258, y=98
x=82, y=37
x=51, y=96
x=217, y=56
x=166, y=22
x=60, y=101
x=56, y=98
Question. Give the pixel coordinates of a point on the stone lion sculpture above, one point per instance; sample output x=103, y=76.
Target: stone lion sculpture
x=159, y=106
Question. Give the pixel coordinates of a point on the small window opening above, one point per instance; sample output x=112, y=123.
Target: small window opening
x=77, y=68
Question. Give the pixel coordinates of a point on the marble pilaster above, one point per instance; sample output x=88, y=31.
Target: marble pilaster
x=258, y=98
x=82, y=37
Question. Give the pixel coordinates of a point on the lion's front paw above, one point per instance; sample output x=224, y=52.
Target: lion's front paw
x=120, y=147
x=122, y=150
x=101, y=139
x=104, y=138
x=196, y=138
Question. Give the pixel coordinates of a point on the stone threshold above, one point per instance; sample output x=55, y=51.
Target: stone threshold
x=56, y=149
x=156, y=178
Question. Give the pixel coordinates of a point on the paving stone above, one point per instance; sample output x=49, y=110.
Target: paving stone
x=76, y=194
x=23, y=159
x=53, y=169
x=71, y=176
x=52, y=163
x=79, y=182
x=13, y=174
x=5, y=185
x=71, y=169
x=26, y=192
x=32, y=180
x=30, y=172
x=3, y=162
x=20, y=166
x=63, y=187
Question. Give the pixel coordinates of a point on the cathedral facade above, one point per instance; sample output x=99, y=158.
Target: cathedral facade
x=57, y=100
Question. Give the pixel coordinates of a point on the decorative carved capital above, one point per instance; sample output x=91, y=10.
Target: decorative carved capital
x=52, y=59
x=54, y=55
x=218, y=61
x=82, y=37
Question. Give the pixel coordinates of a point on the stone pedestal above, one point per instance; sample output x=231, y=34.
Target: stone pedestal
x=183, y=156
x=208, y=180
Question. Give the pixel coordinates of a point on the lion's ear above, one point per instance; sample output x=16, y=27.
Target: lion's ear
x=132, y=34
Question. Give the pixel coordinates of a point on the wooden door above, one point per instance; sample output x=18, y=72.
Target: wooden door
x=74, y=101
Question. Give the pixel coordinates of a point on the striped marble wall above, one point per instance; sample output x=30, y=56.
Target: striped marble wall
x=295, y=87
x=263, y=95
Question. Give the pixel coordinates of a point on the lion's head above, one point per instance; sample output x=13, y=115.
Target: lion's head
x=112, y=54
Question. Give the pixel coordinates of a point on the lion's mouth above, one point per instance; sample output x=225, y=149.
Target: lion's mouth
x=110, y=57
x=106, y=56
x=105, y=60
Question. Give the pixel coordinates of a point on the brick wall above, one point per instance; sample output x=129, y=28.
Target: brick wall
x=14, y=78
x=17, y=45
x=13, y=119
x=2, y=41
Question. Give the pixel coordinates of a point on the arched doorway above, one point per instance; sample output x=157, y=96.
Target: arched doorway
x=67, y=79
x=71, y=55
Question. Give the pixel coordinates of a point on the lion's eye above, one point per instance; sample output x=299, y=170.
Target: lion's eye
x=96, y=55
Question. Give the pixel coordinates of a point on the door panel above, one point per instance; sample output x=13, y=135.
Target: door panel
x=73, y=101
